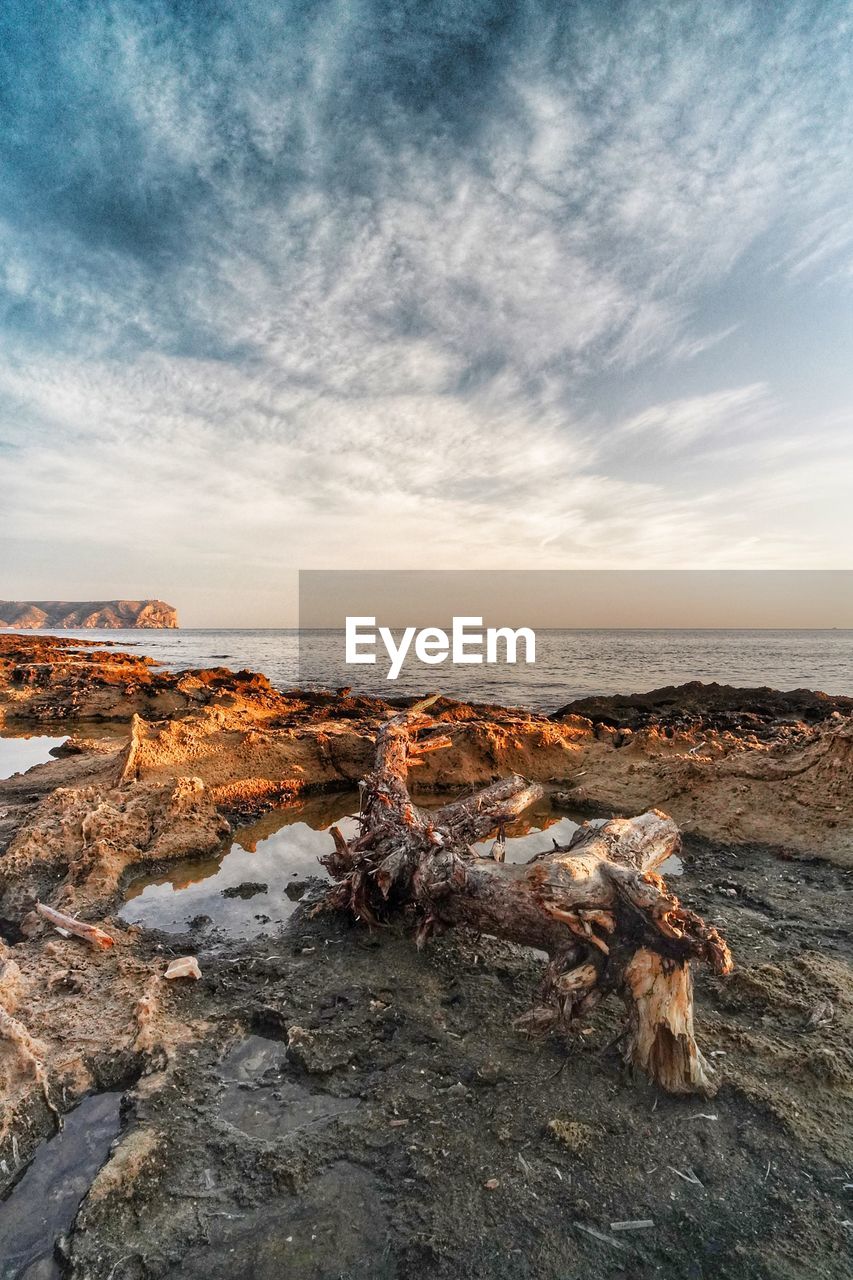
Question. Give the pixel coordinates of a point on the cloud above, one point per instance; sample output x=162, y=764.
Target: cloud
x=683, y=424
x=317, y=272
x=204, y=482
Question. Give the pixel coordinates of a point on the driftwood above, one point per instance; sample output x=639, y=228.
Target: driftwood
x=88, y=932
x=596, y=906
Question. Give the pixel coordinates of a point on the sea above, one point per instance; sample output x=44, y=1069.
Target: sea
x=569, y=663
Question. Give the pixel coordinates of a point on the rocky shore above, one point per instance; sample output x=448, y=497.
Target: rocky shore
x=424, y=1093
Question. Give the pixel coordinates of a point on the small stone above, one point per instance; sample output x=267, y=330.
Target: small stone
x=573, y=1134
x=488, y=1073
x=318, y=1051
x=459, y=1089
x=183, y=967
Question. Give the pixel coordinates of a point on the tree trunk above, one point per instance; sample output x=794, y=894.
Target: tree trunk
x=596, y=906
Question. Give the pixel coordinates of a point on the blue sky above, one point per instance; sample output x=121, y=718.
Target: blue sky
x=389, y=285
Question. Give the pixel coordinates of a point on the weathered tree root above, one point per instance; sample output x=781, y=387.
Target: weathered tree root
x=596, y=906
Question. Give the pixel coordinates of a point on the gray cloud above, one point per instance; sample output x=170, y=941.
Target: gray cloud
x=308, y=284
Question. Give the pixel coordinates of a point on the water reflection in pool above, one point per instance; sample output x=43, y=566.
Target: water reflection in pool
x=20, y=751
x=524, y=836
x=256, y=885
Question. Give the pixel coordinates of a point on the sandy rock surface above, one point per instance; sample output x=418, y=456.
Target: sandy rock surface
x=383, y=1092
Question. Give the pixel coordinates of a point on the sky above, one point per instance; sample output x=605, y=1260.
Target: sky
x=406, y=285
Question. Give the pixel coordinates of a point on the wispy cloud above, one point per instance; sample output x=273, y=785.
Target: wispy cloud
x=682, y=424
x=297, y=284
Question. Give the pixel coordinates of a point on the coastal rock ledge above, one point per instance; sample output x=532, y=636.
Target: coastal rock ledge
x=109, y=614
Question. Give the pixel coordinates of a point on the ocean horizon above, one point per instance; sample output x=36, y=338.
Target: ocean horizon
x=571, y=662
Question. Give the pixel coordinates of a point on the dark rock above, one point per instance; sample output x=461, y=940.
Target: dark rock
x=248, y=889
x=714, y=706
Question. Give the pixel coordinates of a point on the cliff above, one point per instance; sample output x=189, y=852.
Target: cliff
x=50, y=614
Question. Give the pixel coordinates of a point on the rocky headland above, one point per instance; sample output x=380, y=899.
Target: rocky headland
x=52, y=615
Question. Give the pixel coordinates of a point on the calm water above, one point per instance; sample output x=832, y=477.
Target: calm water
x=43, y=1204
x=19, y=752
x=268, y=862
x=570, y=664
